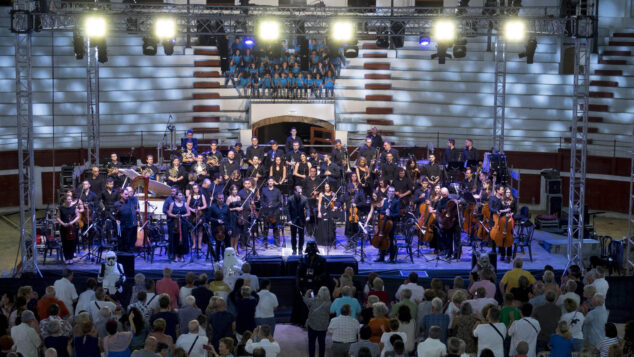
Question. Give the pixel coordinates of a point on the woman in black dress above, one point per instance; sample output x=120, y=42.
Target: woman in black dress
x=325, y=234
x=363, y=174
x=302, y=168
x=278, y=173
x=235, y=223
x=197, y=205
x=179, y=211
x=67, y=215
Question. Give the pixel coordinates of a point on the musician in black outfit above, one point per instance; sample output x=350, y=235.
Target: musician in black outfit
x=311, y=188
x=217, y=186
x=249, y=196
x=126, y=215
x=377, y=141
x=176, y=175
x=189, y=136
x=149, y=169
x=403, y=187
x=389, y=169
x=292, y=156
x=470, y=183
x=470, y=154
x=239, y=154
x=255, y=150
x=229, y=165
x=497, y=206
x=367, y=151
x=391, y=208
x=219, y=217
x=292, y=138
x=113, y=170
x=299, y=214
x=271, y=200
x=256, y=170
x=452, y=161
x=109, y=196
x=315, y=158
x=89, y=198
x=338, y=154
x=422, y=193
x=97, y=183
x=273, y=153
x=446, y=237
x=434, y=172
x=351, y=199
x=331, y=172
x=214, y=151
x=387, y=149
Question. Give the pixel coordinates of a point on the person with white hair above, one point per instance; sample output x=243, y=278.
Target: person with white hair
x=25, y=337
x=50, y=352
x=436, y=318
x=318, y=319
x=253, y=280
x=192, y=342
x=599, y=282
x=188, y=313
x=594, y=323
x=432, y=346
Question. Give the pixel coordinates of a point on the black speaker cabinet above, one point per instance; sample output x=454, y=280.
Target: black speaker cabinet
x=554, y=204
x=553, y=187
x=127, y=260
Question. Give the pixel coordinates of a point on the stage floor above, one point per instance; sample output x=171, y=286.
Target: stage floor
x=424, y=260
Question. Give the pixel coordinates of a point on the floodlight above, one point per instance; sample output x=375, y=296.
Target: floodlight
x=95, y=27
x=444, y=31
x=165, y=29
x=248, y=42
x=460, y=48
x=424, y=41
x=342, y=31
x=269, y=30
x=514, y=30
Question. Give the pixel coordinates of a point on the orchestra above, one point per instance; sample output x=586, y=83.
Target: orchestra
x=233, y=200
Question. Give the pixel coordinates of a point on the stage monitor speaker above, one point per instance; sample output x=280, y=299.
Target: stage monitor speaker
x=266, y=266
x=553, y=186
x=493, y=259
x=127, y=260
x=553, y=204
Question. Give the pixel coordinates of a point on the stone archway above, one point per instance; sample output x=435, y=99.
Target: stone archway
x=312, y=130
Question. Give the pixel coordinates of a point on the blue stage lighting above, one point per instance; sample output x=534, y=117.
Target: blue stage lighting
x=249, y=42
x=424, y=41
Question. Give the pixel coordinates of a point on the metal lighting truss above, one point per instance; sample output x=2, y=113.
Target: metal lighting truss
x=629, y=261
x=92, y=102
x=499, y=102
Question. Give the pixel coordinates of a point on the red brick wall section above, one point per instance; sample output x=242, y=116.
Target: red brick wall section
x=9, y=184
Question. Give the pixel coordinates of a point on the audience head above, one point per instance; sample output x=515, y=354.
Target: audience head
x=453, y=346
x=50, y=352
x=364, y=352
x=398, y=346
x=589, y=291
x=413, y=277
x=406, y=294
x=53, y=309
x=571, y=286
x=27, y=316
x=225, y=346
x=435, y=332
x=167, y=272
x=150, y=343
x=259, y=352
x=377, y=284
x=111, y=326
x=139, y=279
x=372, y=299
x=164, y=301
x=610, y=330
x=245, y=291
x=265, y=330
x=192, y=326
x=379, y=309
x=564, y=329
x=598, y=300
x=6, y=342
x=527, y=310
x=570, y=305
x=522, y=348
x=487, y=353
x=466, y=309
x=508, y=298
x=365, y=332
x=246, y=268
x=436, y=305
x=190, y=277
x=517, y=263
x=190, y=300
x=538, y=288
x=458, y=282
x=493, y=314
x=53, y=327
x=548, y=277
x=436, y=284
x=551, y=296
x=202, y=279
x=180, y=352
x=159, y=325
x=345, y=310
x=394, y=324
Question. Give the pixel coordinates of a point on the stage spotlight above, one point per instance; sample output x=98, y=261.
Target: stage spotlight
x=95, y=27
x=150, y=45
x=168, y=46
x=441, y=53
x=529, y=50
x=444, y=31
x=165, y=29
x=79, y=46
x=460, y=48
x=351, y=51
x=424, y=41
x=514, y=30
x=268, y=30
x=342, y=31
x=102, y=50
x=248, y=42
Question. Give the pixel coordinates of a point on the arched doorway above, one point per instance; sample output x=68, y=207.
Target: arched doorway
x=313, y=131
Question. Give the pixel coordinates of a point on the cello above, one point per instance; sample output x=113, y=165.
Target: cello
x=425, y=222
x=448, y=217
x=502, y=232
x=381, y=239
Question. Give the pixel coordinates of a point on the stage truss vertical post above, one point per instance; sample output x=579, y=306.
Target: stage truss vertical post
x=499, y=102
x=629, y=261
x=24, y=130
x=92, y=102
x=579, y=142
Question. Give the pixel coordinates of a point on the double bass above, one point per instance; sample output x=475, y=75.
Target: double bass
x=448, y=216
x=381, y=239
x=470, y=219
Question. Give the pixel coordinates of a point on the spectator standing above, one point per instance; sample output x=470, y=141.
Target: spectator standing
x=344, y=330
x=571, y=287
x=611, y=338
x=245, y=308
x=99, y=303
x=192, y=342
x=432, y=346
x=379, y=323
x=65, y=290
x=165, y=312
x=220, y=322
x=45, y=302
x=265, y=309
x=169, y=287
x=491, y=334
x=347, y=298
x=417, y=291
x=187, y=313
x=463, y=325
x=436, y=318
x=575, y=320
x=548, y=316
x=25, y=337
x=85, y=343
x=406, y=296
x=454, y=306
x=525, y=329
x=485, y=281
x=377, y=285
x=64, y=326
x=600, y=283
x=86, y=297
x=561, y=342
x=481, y=300
x=158, y=332
x=407, y=324
x=218, y=286
x=511, y=278
x=249, y=279
x=262, y=338
x=538, y=298
x=364, y=341
x=56, y=340
x=318, y=319
x=387, y=337
x=186, y=290
x=201, y=292
x=148, y=348
x=595, y=321
x=509, y=312
x=522, y=292
x=117, y=344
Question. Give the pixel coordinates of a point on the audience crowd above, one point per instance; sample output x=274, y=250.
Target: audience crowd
x=235, y=316
x=277, y=71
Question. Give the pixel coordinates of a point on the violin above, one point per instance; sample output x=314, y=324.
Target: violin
x=425, y=222
x=353, y=215
x=381, y=239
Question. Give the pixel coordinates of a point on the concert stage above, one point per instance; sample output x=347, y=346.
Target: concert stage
x=424, y=262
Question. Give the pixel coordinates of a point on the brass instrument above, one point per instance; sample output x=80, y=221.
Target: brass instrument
x=173, y=172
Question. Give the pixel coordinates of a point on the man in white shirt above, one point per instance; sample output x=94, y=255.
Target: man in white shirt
x=253, y=280
x=432, y=346
x=571, y=287
x=86, y=297
x=600, y=284
x=412, y=284
x=344, y=330
x=386, y=338
x=480, y=301
x=491, y=335
x=192, y=342
x=98, y=304
x=25, y=337
x=264, y=340
x=525, y=329
x=594, y=324
x=65, y=290
x=265, y=310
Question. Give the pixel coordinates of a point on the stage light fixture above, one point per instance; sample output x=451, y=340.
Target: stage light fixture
x=460, y=48
x=529, y=50
x=268, y=30
x=150, y=45
x=444, y=31
x=441, y=53
x=424, y=41
x=165, y=29
x=79, y=46
x=168, y=46
x=342, y=31
x=514, y=30
x=248, y=42
x=351, y=51
x=95, y=27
